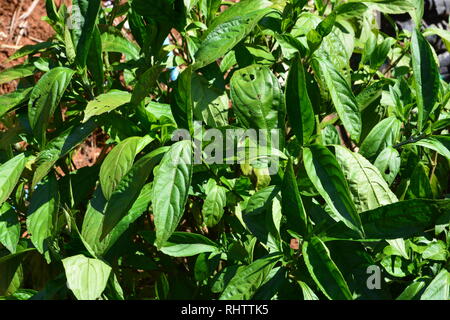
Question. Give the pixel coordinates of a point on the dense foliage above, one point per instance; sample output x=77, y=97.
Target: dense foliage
x=358, y=204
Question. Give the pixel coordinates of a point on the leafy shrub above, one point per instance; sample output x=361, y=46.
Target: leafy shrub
x=349, y=200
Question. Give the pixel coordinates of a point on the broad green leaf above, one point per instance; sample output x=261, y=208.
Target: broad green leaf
x=45, y=98
x=389, y=6
x=94, y=219
x=292, y=204
x=223, y=37
x=42, y=215
x=119, y=161
x=411, y=291
x=170, y=189
x=308, y=293
x=30, y=49
x=299, y=108
x=59, y=147
x=367, y=186
x=326, y=175
x=383, y=135
x=214, y=204
x=9, y=266
x=210, y=104
x=324, y=271
x=10, y=172
x=115, y=43
x=12, y=100
x=343, y=99
x=419, y=185
x=147, y=81
x=127, y=190
x=258, y=101
x=436, y=251
x=106, y=102
x=9, y=227
x=439, y=288
x=85, y=12
x=426, y=76
x=95, y=61
x=248, y=279
x=440, y=144
x=86, y=277
x=17, y=72
x=185, y=244
x=404, y=219
x=388, y=163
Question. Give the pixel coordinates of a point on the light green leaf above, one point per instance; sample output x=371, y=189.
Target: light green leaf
x=115, y=43
x=86, y=277
x=14, y=99
x=127, y=191
x=170, y=189
x=367, y=186
x=106, y=102
x=440, y=144
x=343, y=99
x=383, y=135
x=258, y=101
x=248, y=279
x=388, y=163
x=10, y=172
x=9, y=227
x=185, y=244
x=119, y=161
x=326, y=175
x=147, y=81
x=17, y=72
x=42, y=214
x=214, y=204
x=439, y=288
x=45, y=98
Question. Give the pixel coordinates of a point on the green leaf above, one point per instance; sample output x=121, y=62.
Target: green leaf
x=258, y=101
x=326, y=175
x=388, y=163
x=94, y=219
x=127, y=191
x=439, y=288
x=419, y=186
x=115, y=43
x=86, y=277
x=324, y=271
x=426, y=76
x=170, y=190
x=85, y=12
x=343, y=99
x=292, y=204
x=214, y=204
x=119, y=161
x=10, y=172
x=299, y=108
x=367, y=186
x=106, y=102
x=223, y=37
x=9, y=227
x=9, y=266
x=147, y=81
x=436, y=251
x=95, y=60
x=390, y=6
x=42, y=214
x=248, y=279
x=59, y=147
x=383, y=135
x=210, y=104
x=14, y=99
x=185, y=244
x=182, y=103
x=30, y=49
x=17, y=72
x=412, y=290
x=404, y=219
x=45, y=98
x=440, y=144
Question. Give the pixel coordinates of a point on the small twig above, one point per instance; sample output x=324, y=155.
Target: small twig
x=30, y=10
x=9, y=46
x=411, y=140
